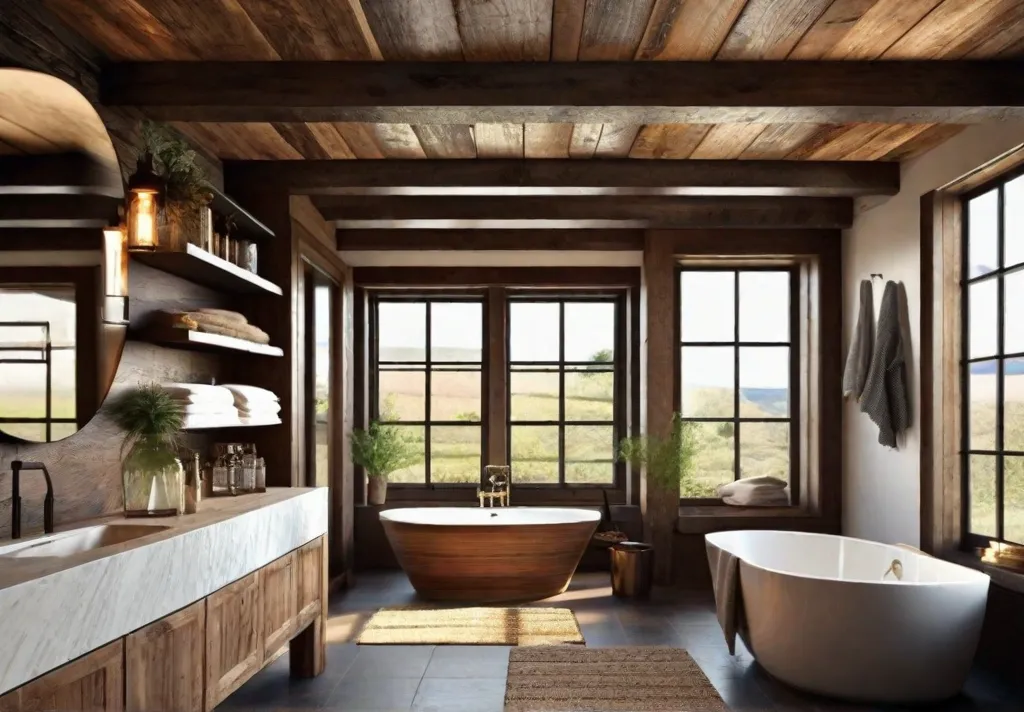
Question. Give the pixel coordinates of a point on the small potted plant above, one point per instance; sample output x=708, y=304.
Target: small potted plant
x=380, y=450
x=184, y=214
x=151, y=472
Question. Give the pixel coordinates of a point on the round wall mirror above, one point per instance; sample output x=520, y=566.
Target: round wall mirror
x=63, y=270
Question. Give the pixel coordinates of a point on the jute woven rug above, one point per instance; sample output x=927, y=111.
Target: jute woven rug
x=637, y=679
x=471, y=626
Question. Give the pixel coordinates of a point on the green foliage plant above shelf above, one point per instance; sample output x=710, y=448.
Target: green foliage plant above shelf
x=670, y=460
x=381, y=450
x=185, y=182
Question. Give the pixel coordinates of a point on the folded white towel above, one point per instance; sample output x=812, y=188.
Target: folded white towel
x=755, y=492
x=200, y=393
x=259, y=409
x=246, y=395
x=208, y=409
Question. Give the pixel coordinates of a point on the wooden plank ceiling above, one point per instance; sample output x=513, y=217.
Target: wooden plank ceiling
x=559, y=30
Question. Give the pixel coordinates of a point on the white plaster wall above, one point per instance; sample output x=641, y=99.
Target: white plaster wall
x=881, y=487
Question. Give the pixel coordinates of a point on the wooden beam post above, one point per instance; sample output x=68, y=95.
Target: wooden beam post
x=690, y=177
x=649, y=210
x=660, y=505
x=572, y=92
x=610, y=240
x=497, y=377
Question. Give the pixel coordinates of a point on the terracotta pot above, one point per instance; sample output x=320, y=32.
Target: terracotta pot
x=376, y=490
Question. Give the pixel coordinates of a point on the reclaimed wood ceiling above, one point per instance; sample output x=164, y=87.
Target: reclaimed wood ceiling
x=558, y=30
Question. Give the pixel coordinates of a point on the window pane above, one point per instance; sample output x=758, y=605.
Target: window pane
x=33, y=432
x=764, y=450
x=713, y=464
x=24, y=390
x=321, y=415
x=402, y=331
x=1013, y=499
x=707, y=306
x=708, y=376
x=982, y=428
x=764, y=306
x=1013, y=405
x=589, y=454
x=1013, y=315
x=402, y=395
x=534, y=396
x=455, y=454
x=1013, y=226
x=455, y=395
x=415, y=473
x=983, y=495
x=589, y=395
x=535, y=454
x=982, y=301
x=456, y=331
x=590, y=331
x=983, y=234
x=764, y=382
x=533, y=331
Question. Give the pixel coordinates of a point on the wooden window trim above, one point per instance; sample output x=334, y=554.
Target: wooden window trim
x=797, y=357
x=942, y=347
x=617, y=297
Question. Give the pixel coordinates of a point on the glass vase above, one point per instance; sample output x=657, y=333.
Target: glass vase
x=154, y=480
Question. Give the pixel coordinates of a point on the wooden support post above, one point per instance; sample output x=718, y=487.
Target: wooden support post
x=497, y=377
x=660, y=505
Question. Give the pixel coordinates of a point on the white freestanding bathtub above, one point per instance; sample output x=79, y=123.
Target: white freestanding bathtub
x=822, y=614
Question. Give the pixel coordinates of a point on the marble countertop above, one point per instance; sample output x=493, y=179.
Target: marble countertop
x=54, y=609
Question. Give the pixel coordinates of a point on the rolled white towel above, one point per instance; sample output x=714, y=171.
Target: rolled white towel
x=249, y=396
x=200, y=393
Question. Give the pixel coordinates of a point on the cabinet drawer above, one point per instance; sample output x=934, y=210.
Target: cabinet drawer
x=234, y=637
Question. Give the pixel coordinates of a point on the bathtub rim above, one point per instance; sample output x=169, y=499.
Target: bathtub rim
x=977, y=576
x=582, y=516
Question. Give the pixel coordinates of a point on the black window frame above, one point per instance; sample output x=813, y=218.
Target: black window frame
x=473, y=296
x=736, y=344
x=970, y=539
x=617, y=297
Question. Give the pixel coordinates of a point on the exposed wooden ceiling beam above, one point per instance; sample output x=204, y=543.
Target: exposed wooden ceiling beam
x=431, y=239
x=653, y=211
x=694, y=177
x=72, y=173
x=581, y=92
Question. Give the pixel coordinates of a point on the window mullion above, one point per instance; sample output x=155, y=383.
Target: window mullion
x=736, y=378
x=426, y=405
x=561, y=393
x=1001, y=371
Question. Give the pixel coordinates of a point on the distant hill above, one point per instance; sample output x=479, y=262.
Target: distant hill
x=1014, y=367
x=773, y=401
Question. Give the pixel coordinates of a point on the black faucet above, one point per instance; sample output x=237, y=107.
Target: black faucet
x=16, y=467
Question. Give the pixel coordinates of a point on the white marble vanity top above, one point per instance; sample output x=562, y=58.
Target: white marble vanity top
x=55, y=608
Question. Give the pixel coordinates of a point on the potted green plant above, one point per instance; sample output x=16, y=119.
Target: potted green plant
x=184, y=215
x=152, y=474
x=670, y=460
x=381, y=450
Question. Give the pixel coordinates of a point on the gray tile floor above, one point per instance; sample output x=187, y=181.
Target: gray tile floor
x=472, y=678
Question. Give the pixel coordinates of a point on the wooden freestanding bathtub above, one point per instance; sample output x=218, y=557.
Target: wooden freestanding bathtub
x=489, y=555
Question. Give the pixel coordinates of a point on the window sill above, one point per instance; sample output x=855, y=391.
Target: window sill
x=1003, y=578
x=704, y=519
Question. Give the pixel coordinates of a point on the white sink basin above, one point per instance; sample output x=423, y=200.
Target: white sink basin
x=78, y=540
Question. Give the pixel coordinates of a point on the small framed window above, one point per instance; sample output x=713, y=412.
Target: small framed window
x=427, y=381
x=738, y=372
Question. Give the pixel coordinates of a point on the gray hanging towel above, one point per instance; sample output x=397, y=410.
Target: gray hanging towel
x=885, y=392
x=859, y=359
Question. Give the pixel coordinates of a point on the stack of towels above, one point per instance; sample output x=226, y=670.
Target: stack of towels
x=231, y=404
x=203, y=404
x=215, y=321
x=756, y=492
x=255, y=405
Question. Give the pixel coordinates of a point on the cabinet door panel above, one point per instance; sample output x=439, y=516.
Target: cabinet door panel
x=92, y=683
x=309, y=579
x=164, y=663
x=234, y=638
x=279, y=603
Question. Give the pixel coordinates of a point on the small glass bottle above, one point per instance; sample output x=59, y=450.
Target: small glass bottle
x=260, y=472
x=247, y=482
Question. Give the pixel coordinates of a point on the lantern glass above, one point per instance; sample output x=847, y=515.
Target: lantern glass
x=142, y=231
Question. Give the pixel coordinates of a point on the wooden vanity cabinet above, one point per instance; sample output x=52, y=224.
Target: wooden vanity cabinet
x=234, y=637
x=92, y=683
x=279, y=599
x=164, y=663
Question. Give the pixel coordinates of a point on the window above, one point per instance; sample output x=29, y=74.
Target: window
x=992, y=372
x=738, y=373
x=427, y=380
x=321, y=295
x=565, y=372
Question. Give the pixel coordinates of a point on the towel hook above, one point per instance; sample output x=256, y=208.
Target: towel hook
x=875, y=275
